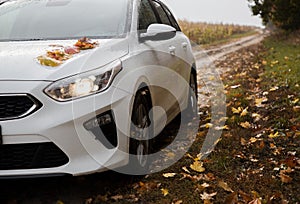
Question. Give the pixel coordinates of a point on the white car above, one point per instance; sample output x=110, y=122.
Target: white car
x=85, y=85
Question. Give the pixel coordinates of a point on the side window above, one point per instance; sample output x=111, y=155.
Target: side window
x=146, y=15
x=172, y=18
x=162, y=14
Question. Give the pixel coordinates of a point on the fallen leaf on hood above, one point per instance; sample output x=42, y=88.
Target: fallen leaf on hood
x=197, y=166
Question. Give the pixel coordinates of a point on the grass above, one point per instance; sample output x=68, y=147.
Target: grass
x=282, y=63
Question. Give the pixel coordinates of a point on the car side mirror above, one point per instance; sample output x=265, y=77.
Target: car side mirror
x=157, y=32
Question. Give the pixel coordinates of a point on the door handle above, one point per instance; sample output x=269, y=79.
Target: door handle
x=184, y=45
x=172, y=50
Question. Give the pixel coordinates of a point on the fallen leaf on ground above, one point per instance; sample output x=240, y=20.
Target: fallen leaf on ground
x=232, y=198
x=244, y=112
x=117, y=197
x=169, y=175
x=197, y=166
x=245, y=125
x=225, y=127
x=285, y=178
x=255, y=201
x=235, y=86
x=274, y=135
x=205, y=185
x=225, y=186
x=164, y=191
x=206, y=196
x=236, y=110
x=185, y=169
x=259, y=101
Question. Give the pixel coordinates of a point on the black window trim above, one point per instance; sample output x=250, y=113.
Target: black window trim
x=172, y=16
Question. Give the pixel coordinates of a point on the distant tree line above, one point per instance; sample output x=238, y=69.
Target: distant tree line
x=284, y=14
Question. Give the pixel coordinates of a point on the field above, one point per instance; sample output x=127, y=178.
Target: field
x=207, y=34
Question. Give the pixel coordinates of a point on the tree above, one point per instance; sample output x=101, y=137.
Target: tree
x=284, y=14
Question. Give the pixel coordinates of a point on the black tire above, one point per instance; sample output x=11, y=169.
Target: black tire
x=141, y=131
x=192, y=108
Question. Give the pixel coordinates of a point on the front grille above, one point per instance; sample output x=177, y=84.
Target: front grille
x=31, y=156
x=17, y=106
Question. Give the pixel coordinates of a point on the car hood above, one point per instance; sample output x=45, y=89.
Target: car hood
x=18, y=60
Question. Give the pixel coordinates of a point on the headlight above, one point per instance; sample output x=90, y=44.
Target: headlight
x=84, y=84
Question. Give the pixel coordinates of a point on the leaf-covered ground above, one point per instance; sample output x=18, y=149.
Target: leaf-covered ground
x=256, y=161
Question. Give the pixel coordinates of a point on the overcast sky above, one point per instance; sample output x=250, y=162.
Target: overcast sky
x=214, y=11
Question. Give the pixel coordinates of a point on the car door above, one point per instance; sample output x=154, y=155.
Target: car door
x=157, y=61
x=179, y=49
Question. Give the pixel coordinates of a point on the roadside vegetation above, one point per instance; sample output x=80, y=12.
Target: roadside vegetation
x=206, y=34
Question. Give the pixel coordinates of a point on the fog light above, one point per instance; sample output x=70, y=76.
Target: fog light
x=104, y=128
x=98, y=121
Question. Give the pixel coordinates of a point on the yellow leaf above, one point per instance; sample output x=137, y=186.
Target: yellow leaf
x=164, y=191
x=236, y=111
x=206, y=196
x=253, y=139
x=186, y=170
x=169, y=175
x=264, y=62
x=244, y=112
x=295, y=101
x=59, y=202
x=197, y=166
x=274, y=88
x=243, y=141
x=259, y=101
x=256, y=116
x=208, y=125
x=225, y=127
x=205, y=185
x=225, y=186
x=245, y=125
x=274, y=135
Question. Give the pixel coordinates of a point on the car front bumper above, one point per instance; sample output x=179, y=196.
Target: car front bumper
x=61, y=124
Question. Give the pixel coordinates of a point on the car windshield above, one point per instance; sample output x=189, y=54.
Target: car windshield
x=62, y=19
